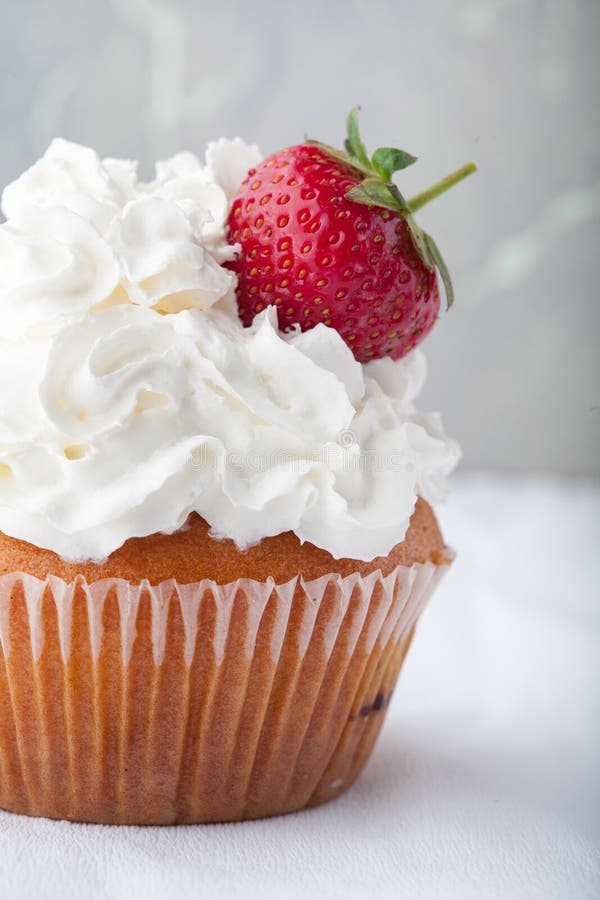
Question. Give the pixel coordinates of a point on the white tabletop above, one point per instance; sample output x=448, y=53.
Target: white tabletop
x=485, y=781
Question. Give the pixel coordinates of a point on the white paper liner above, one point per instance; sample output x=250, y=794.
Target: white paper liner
x=296, y=680
x=402, y=584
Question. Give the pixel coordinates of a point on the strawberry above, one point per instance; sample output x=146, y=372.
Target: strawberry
x=327, y=237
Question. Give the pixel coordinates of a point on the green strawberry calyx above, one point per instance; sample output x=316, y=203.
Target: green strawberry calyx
x=378, y=189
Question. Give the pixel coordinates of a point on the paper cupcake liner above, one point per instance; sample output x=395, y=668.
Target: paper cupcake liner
x=147, y=704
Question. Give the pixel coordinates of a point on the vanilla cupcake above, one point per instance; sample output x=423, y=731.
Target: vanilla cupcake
x=216, y=538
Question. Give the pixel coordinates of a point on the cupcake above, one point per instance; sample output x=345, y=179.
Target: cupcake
x=216, y=524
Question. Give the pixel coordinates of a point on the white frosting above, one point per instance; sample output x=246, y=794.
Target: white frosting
x=84, y=232
x=131, y=395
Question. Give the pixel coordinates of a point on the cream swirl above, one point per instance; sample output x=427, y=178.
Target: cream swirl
x=83, y=233
x=131, y=395
x=52, y=264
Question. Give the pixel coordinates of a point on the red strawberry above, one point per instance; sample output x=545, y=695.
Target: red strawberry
x=326, y=237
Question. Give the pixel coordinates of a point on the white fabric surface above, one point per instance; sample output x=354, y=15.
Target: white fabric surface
x=485, y=781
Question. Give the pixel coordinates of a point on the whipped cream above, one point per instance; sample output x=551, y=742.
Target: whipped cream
x=131, y=395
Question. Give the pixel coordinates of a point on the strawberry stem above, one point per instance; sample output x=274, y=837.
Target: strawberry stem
x=440, y=187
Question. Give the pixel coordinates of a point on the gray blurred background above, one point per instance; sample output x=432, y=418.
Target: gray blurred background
x=513, y=84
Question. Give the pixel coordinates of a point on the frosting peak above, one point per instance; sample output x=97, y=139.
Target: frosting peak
x=83, y=233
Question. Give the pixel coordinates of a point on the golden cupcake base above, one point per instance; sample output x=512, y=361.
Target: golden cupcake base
x=201, y=702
